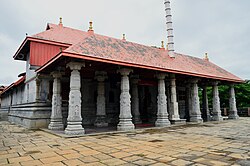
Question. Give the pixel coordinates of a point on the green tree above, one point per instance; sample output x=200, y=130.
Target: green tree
x=243, y=94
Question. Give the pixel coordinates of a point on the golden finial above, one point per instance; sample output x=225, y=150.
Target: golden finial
x=162, y=44
x=123, y=37
x=167, y=46
x=206, y=56
x=90, y=26
x=60, y=22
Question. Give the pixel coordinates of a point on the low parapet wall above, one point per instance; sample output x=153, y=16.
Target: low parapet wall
x=32, y=116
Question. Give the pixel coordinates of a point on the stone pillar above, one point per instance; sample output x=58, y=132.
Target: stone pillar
x=232, y=104
x=135, y=101
x=195, y=112
x=74, y=120
x=174, y=111
x=162, y=112
x=101, y=119
x=56, y=122
x=125, y=121
x=205, y=110
x=188, y=102
x=216, y=103
x=38, y=83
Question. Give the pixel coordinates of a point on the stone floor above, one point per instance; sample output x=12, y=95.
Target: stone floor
x=224, y=143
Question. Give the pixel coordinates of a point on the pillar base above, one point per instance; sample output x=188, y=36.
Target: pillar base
x=178, y=121
x=74, y=128
x=56, y=125
x=196, y=119
x=217, y=118
x=233, y=116
x=162, y=123
x=125, y=125
x=137, y=120
x=207, y=118
x=101, y=121
x=174, y=117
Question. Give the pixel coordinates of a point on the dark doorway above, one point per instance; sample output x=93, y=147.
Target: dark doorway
x=145, y=103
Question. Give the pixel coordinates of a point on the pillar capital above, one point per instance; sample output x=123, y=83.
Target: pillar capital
x=232, y=85
x=124, y=71
x=194, y=81
x=172, y=76
x=161, y=76
x=76, y=65
x=56, y=74
x=101, y=76
x=215, y=83
x=135, y=79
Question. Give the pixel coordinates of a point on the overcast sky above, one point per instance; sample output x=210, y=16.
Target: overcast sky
x=219, y=27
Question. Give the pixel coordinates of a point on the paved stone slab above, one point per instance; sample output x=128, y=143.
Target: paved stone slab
x=213, y=143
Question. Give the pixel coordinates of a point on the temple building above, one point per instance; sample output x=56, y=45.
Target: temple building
x=75, y=79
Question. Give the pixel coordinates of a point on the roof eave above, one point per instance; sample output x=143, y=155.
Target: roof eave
x=86, y=57
x=29, y=38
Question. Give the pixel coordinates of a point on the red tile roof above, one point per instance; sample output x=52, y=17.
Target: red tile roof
x=88, y=45
x=18, y=82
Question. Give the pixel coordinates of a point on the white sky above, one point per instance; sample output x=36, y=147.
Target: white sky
x=219, y=27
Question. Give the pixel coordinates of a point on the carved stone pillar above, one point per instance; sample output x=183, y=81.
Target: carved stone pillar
x=232, y=104
x=216, y=103
x=56, y=122
x=174, y=111
x=195, y=112
x=162, y=112
x=101, y=120
x=135, y=101
x=74, y=120
x=205, y=110
x=125, y=121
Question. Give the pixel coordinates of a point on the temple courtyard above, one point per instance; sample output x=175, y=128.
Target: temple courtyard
x=210, y=143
